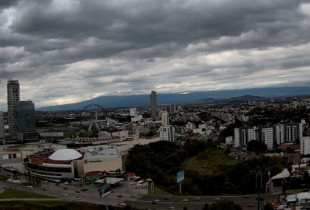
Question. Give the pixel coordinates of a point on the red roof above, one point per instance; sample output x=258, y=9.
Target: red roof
x=92, y=173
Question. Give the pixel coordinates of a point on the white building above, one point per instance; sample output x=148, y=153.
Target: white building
x=165, y=118
x=279, y=129
x=252, y=134
x=229, y=140
x=267, y=137
x=132, y=112
x=101, y=158
x=190, y=126
x=167, y=133
x=236, y=137
x=134, y=115
x=305, y=145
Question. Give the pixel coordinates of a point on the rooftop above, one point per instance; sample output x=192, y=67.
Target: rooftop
x=101, y=152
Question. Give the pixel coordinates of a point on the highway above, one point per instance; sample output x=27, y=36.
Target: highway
x=133, y=195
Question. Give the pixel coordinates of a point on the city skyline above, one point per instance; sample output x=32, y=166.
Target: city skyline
x=69, y=51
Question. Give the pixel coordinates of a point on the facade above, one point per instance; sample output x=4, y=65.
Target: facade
x=242, y=136
x=153, y=104
x=101, y=158
x=267, y=137
x=305, y=145
x=167, y=133
x=277, y=134
x=289, y=132
x=13, y=101
x=165, y=119
x=56, y=166
x=132, y=112
x=26, y=127
x=7, y=157
x=2, y=130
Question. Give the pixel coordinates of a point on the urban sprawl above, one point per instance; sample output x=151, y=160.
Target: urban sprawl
x=117, y=157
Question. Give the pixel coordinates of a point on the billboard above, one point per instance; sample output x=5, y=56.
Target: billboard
x=180, y=176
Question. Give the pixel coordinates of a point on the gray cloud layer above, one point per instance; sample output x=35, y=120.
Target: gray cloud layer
x=64, y=51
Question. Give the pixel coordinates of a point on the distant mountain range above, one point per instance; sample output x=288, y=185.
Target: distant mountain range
x=223, y=96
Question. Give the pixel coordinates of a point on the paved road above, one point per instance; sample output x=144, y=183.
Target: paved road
x=133, y=195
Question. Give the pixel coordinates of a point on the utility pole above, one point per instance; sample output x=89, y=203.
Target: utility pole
x=259, y=173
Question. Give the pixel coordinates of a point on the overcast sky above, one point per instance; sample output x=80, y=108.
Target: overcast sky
x=66, y=51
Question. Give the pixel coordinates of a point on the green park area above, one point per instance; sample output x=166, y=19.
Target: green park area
x=11, y=199
x=208, y=169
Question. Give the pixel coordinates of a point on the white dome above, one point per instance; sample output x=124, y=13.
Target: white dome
x=65, y=154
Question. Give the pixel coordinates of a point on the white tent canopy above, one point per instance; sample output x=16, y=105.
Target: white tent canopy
x=65, y=155
x=284, y=174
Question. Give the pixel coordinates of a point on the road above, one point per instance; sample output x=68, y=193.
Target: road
x=133, y=195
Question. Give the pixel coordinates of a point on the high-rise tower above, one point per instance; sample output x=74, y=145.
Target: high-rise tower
x=26, y=123
x=164, y=118
x=2, y=131
x=13, y=100
x=153, y=103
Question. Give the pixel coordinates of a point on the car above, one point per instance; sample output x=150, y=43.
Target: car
x=154, y=202
x=78, y=198
x=217, y=199
x=197, y=199
x=251, y=205
x=122, y=204
x=184, y=200
x=29, y=187
x=171, y=207
x=64, y=194
x=157, y=200
x=84, y=189
x=66, y=183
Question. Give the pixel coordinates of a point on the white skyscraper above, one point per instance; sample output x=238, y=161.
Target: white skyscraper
x=165, y=118
x=267, y=137
x=167, y=133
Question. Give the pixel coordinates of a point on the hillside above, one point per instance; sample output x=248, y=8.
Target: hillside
x=220, y=96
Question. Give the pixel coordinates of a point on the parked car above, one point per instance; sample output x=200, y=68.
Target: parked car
x=29, y=187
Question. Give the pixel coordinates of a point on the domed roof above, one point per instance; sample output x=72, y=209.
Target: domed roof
x=65, y=154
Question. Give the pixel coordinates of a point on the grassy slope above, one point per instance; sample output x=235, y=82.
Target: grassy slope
x=12, y=193
x=209, y=162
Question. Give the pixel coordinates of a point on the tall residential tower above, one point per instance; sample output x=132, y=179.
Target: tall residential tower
x=153, y=103
x=13, y=100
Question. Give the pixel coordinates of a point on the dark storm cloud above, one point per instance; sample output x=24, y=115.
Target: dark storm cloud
x=98, y=47
x=7, y=3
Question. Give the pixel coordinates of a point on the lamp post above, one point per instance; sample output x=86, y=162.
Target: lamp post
x=259, y=173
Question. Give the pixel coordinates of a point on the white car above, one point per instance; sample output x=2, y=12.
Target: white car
x=30, y=187
x=122, y=204
x=184, y=200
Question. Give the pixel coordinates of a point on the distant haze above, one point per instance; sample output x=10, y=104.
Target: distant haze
x=181, y=99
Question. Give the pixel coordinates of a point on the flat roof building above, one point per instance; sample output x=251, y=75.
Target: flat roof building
x=101, y=158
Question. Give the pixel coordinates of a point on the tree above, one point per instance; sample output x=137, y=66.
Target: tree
x=256, y=146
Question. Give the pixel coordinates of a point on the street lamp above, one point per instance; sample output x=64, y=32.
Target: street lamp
x=259, y=173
